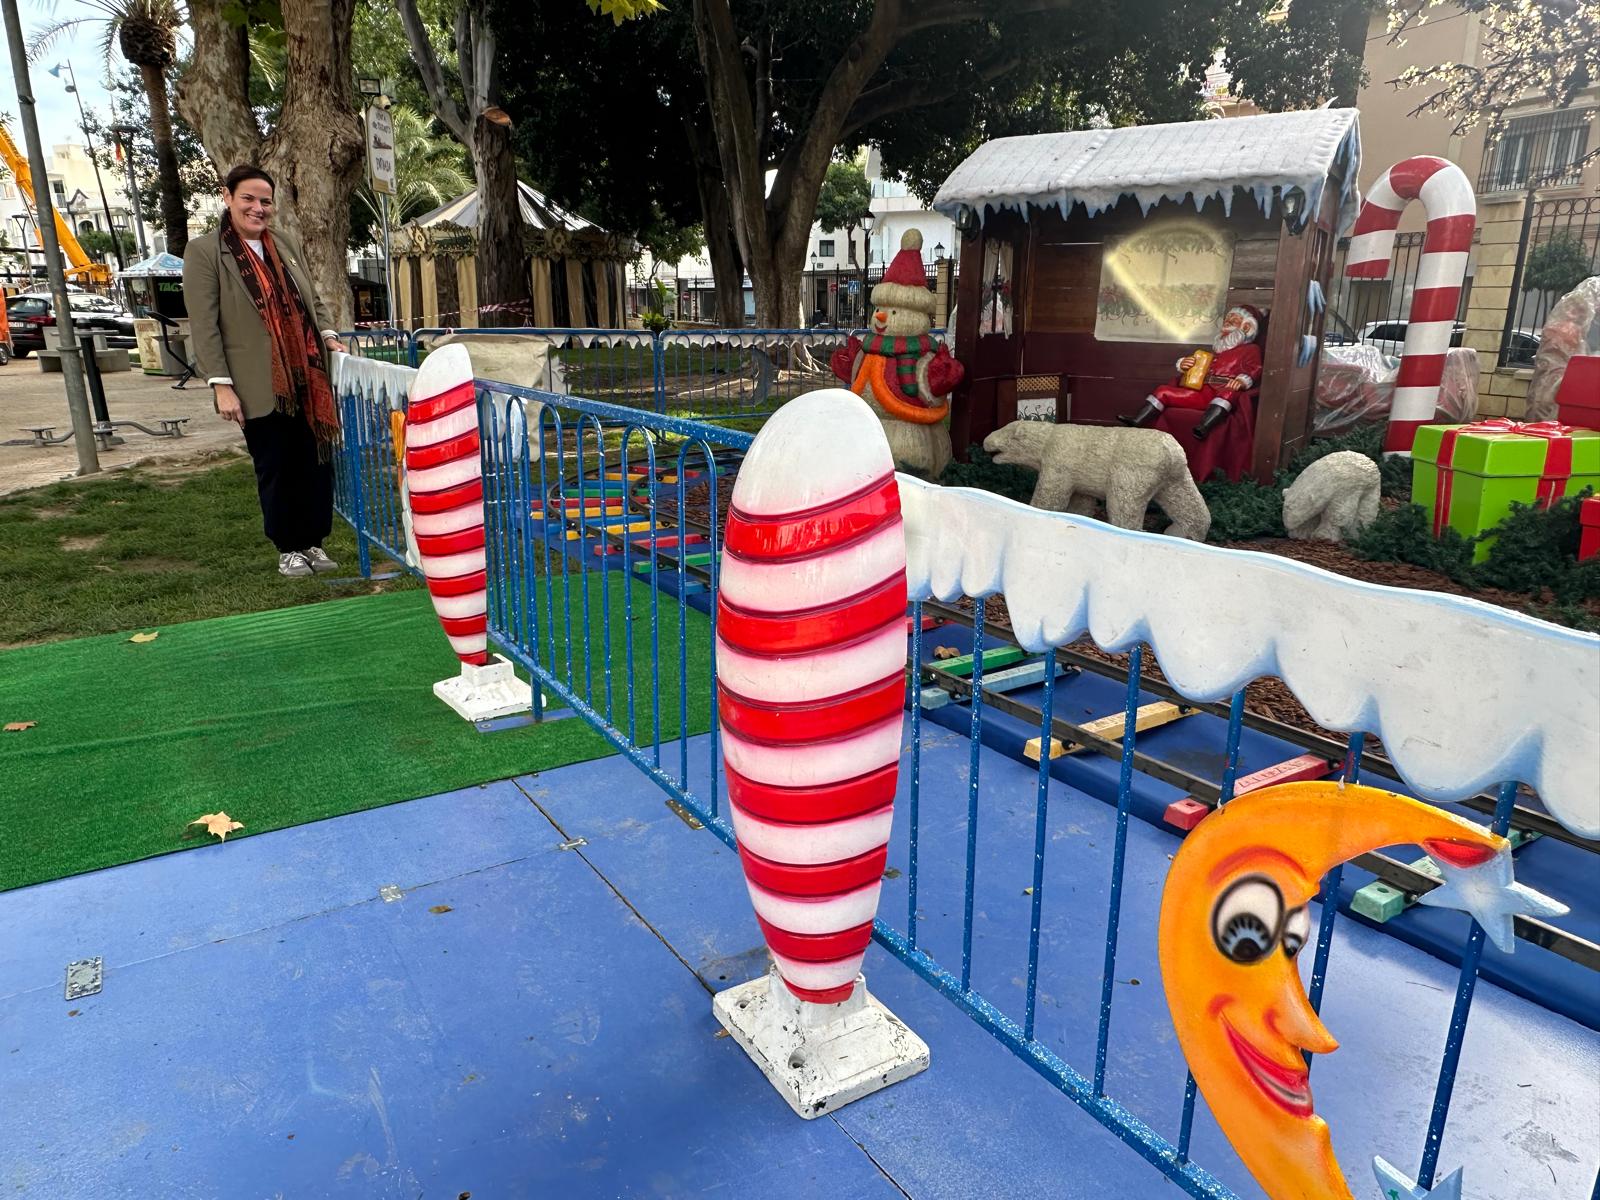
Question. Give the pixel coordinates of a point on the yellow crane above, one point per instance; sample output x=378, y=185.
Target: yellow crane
x=82, y=268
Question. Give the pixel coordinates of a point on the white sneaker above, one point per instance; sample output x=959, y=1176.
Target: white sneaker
x=319, y=560
x=294, y=563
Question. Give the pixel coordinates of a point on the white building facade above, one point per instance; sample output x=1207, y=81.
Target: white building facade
x=840, y=268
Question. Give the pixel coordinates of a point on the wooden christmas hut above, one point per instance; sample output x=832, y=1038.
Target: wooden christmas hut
x=1092, y=260
x=576, y=269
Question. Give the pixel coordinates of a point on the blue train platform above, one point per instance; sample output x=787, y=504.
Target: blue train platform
x=506, y=992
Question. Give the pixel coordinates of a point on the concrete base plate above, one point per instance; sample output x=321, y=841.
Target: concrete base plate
x=483, y=693
x=820, y=1057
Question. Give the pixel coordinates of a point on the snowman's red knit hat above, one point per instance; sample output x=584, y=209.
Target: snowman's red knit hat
x=905, y=283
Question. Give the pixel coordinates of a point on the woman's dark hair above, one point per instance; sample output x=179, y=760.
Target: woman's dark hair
x=245, y=172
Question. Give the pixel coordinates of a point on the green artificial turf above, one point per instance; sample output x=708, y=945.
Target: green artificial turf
x=284, y=717
x=149, y=545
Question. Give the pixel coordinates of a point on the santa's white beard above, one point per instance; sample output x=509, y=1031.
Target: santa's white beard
x=1227, y=339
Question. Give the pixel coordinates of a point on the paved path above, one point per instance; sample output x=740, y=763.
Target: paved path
x=28, y=397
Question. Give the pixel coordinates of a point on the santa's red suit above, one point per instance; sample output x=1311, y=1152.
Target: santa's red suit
x=1242, y=360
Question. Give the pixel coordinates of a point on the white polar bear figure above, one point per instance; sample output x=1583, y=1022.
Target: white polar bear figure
x=1334, y=498
x=1127, y=468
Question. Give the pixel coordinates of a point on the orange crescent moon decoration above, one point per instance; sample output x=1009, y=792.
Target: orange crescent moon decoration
x=1233, y=918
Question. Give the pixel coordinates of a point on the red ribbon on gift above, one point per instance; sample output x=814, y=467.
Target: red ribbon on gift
x=1557, y=460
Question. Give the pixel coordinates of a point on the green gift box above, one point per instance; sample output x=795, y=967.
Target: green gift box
x=1468, y=476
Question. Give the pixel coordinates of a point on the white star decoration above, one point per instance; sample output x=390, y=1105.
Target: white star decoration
x=1396, y=1185
x=1492, y=896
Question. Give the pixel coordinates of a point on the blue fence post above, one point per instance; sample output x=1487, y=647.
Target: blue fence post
x=358, y=489
x=1457, y=1032
x=658, y=360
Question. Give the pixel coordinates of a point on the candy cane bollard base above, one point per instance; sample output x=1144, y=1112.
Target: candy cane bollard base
x=487, y=692
x=819, y=1057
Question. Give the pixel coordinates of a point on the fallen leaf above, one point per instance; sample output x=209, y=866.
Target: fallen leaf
x=946, y=652
x=441, y=908
x=19, y=726
x=144, y=637
x=721, y=1033
x=219, y=823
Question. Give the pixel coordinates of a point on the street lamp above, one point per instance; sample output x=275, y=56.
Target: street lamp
x=72, y=87
x=938, y=251
x=124, y=135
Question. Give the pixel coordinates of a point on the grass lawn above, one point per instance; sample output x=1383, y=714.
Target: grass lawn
x=148, y=546
x=254, y=698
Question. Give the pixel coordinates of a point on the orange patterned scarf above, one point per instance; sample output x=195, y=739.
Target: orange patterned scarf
x=299, y=365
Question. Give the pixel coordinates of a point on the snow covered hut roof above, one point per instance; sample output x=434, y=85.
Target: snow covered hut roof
x=1191, y=160
x=537, y=212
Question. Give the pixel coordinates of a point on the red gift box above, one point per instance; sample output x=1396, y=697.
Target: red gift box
x=1589, y=518
x=1578, y=398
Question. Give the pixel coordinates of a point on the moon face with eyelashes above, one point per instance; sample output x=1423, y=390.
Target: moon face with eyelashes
x=1234, y=919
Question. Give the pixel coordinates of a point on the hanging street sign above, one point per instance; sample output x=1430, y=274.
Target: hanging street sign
x=380, y=150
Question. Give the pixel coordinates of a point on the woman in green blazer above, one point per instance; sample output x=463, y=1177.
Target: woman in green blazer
x=262, y=340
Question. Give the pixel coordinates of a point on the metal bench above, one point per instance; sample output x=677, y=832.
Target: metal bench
x=42, y=435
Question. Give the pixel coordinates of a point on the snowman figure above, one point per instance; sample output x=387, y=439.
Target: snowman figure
x=900, y=369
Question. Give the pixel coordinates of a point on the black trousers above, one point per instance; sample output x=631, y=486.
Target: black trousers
x=296, y=490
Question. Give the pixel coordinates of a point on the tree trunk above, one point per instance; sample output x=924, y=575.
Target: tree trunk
x=727, y=268
x=314, y=153
x=209, y=93
x=502, y=263
x=773, y=222
x=777, y=288
x=174, y=218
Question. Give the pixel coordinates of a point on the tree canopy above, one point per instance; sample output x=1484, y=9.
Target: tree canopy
x=845, y=198
x=1547, y=48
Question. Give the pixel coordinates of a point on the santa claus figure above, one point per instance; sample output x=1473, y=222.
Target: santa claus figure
x=900, y=370
x=1234, y=369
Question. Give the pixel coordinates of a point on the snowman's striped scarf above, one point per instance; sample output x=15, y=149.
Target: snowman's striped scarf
x=905, y=351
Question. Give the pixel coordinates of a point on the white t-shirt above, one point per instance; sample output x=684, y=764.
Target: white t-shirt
x=255, y=248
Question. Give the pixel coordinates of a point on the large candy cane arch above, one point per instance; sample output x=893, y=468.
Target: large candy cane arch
x=811, y=674
x=1452, y=210
x=444, y=482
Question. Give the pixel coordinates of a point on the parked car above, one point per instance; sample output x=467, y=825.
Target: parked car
x=30, y=313
x=1522, y=348
x=1390, y=336
x=86, y=307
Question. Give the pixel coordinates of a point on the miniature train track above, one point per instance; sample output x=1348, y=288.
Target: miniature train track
x=641, y=505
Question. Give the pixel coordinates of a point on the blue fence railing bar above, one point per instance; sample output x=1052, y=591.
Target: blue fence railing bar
x=603, y=533
x=711, y=374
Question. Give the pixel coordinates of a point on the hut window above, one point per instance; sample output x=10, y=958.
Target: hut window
x=560, y=302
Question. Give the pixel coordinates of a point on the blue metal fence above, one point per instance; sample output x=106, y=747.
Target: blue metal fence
x=710, y=374
x=597, y=591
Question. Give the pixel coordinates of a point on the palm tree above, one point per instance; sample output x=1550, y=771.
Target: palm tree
x=146, y=31
x=429, y=170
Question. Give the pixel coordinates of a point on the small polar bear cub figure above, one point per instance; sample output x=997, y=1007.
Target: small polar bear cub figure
x=1127, y=468
x=1334, y=498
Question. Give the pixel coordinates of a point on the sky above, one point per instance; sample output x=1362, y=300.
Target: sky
x=57, y=111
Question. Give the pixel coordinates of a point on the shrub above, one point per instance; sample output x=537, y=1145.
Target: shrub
x=981, y=471
x=1405, y=534
x=1244, y=510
